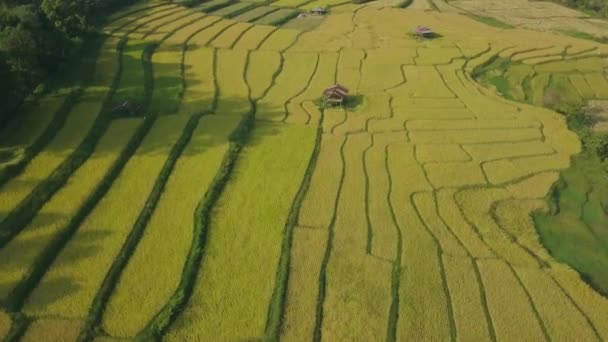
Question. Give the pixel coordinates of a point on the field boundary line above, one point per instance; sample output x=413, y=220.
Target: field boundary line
x=541, y=323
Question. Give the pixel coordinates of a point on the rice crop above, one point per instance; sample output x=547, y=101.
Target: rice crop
x=251, y=39
x=199, y=92
x=229, y=37
x=5, y=324
x=140, y=285
x=232, y=88
x=209, y=6
x=277, y=18
x=255, y=13
x=83, y=260
x=280, y=40
x=56, y=213
x=237, y=234
x=233, y=9
x=52, y=330
x=261, y=68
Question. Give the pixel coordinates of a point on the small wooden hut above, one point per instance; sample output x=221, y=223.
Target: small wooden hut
x=423, y=32
x=319, y=10
x=336, y=94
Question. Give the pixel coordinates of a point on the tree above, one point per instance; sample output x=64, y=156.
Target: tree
x=71, y=17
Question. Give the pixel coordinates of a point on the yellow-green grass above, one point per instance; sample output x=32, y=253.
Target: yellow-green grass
x=383, y=228
x=539, y=60
x=5, y=324
x=140, y=293
x=289, y=3
x=379, y=72
x=594, y=305
x=514, y=216
x=33, y=119
x=233, y=91
x=307, y=251
x=251, y=39
x=167, y=71
x=318, y=205
x=212, y=5
x=437, y=55
x=203, y=37
x=552, y=51
x=494, y=151
x=441, y=153
x=78, y=123
x=561, y=91
x=349, y=65
x=599, y=84
x=423, y=310
x=427, y=208
x=261, y=68
x=454, y=174
x=280, y=40
x=476, y=207
x=20, y=254
x=184, y=33
x=244, y=239
x=323, y=76
x=466, y=294
x=372, y=115
x=474, y=136
x=335, y=30
x=121, y=25
x=170, y=24
x=502, y=171
x=513, y=316
x=199, y=92
x=582, y=87
x=295, y=75
x=450, y=213
x=515, y=76
x=277, y=17
x=155, y=22
x=86, y=258
x=534, y=187
x=422, y=81
x=233, y=9
x=255, y=13
x=229, y=37
x=131, y=86
x=358, y=286
x=323, y=3
x=429, y=125
x=52, y=330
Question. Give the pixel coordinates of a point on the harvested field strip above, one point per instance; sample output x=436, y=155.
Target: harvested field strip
x=277, y=18
x=229, y=37
x=512, y=315
x=251, y=39
x=295, y=76
x=25, y=193
x=280, y=40
x=232, y=87
x=353, y=280
x=159, y=250
x=83, y=260
x=255, y=13
x=50, y=224
x=209, y=6
x=234, y=237
x=233, y=10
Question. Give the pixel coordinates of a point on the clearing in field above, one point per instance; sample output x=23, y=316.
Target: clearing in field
x=235, y=205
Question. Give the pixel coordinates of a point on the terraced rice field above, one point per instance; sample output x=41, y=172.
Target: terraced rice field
x=233, y=206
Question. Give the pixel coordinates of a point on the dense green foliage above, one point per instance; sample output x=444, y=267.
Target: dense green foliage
x=38, y=37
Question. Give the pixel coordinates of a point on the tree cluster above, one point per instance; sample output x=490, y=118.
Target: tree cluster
x=36, y=38
x=599, y=7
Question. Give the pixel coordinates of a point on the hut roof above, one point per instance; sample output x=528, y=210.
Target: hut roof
x=423, y=30
x=336, y=90
x=319, y=9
